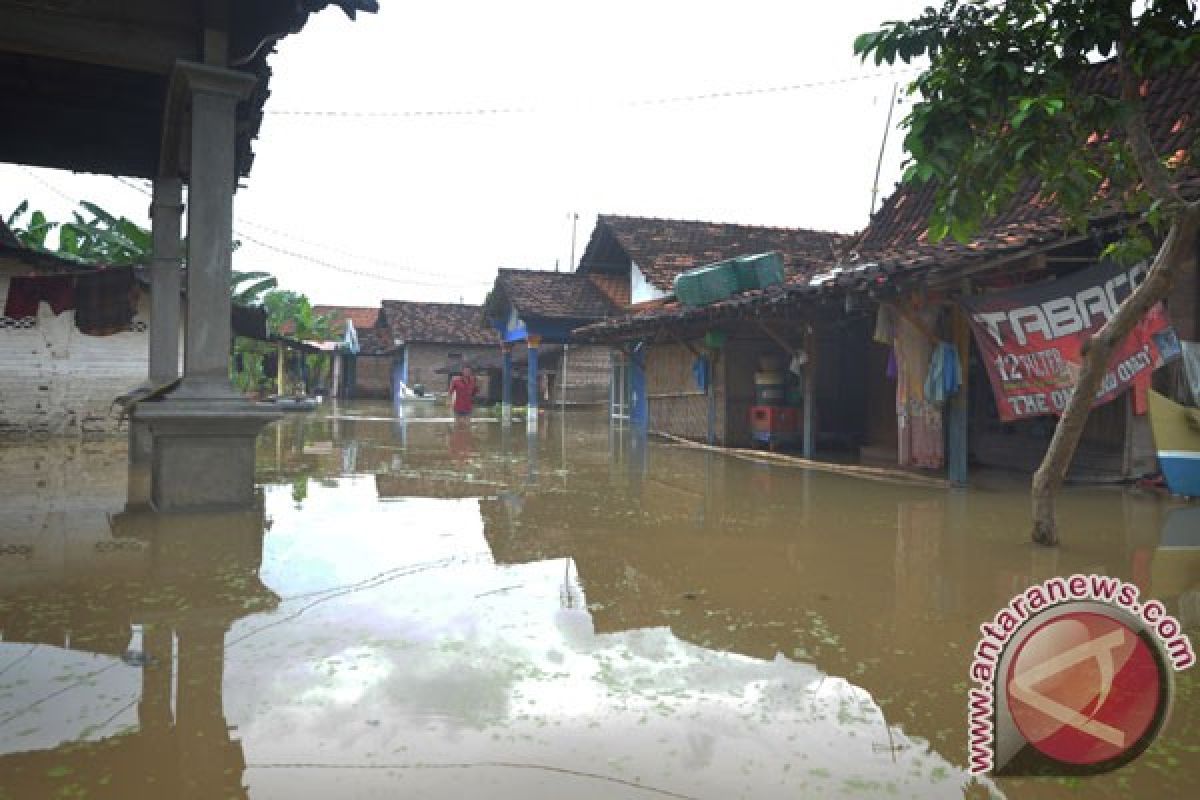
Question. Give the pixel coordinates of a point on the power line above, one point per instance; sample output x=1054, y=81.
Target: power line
x=361, y=273
x=641, y=103
x=439, y=282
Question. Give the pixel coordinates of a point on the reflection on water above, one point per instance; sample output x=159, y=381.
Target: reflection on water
x=425, y=608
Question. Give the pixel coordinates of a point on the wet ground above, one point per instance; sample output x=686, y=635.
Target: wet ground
x=437, y=611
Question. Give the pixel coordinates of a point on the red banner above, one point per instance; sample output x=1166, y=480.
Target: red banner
x=1031, y=338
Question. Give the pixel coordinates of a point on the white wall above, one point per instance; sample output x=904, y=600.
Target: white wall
x=640, y=289
x=56, y=380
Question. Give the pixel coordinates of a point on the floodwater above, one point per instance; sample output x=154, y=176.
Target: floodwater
x=428, y=610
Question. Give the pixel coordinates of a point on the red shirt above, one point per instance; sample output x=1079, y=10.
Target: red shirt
x=463, y=390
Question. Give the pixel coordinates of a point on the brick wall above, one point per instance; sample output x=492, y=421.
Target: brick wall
x=55, y=380
x=425, y=359
x=373, y=376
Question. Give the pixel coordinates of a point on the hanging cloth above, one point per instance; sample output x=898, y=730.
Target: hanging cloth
x=104, y=301
x=944, y=378
x=700, y=372
x=26, y=291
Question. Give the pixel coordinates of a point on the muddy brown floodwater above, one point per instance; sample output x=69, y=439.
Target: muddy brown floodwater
x=430, y=611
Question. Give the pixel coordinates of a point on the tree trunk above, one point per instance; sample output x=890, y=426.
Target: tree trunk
x=1175, y=251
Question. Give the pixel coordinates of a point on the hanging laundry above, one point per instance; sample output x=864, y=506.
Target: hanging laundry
x=700, y=371
x=26, y=291
x=104, y=301
x=945, y=375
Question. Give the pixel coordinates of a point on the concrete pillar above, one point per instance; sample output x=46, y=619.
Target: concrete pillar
x=166, y=210
x=204, y=433
x=531, y=420
x=212, y=170
x=506, y=385
x=166, y=215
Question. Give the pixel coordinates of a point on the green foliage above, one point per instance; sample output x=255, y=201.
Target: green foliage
x=248, y=288
x=95, y=238
x=291, y=313
x=1001, y=102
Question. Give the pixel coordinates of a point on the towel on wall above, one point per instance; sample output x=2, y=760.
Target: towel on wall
x=26, y=291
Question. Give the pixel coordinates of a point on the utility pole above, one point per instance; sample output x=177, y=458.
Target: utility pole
x=883, y=146
x=574, y=217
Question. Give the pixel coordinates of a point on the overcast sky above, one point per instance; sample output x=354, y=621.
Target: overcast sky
x=435, y=203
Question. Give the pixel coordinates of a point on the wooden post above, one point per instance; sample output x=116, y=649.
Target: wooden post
x=956, y=409
x=712, y=396
x=533, y=341
x=506, y=384
x=562, y=379
x=810, y=392
x=279, y=371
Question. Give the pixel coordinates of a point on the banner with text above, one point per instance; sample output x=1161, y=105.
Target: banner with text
x=1031, y=339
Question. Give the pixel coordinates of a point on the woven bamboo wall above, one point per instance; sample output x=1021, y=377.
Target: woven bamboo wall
x=676, y=405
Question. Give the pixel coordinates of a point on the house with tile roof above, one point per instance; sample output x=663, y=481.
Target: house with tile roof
x=647, y=253
x=424, y=344
x=662, y=355
x=894, y=264
x=534, y=311
x=1028, y=244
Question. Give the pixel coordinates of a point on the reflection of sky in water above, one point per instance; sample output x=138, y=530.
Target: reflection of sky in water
x=403, y=661
x=399, y=642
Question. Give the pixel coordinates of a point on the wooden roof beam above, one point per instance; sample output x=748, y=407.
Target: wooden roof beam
x=109, y=43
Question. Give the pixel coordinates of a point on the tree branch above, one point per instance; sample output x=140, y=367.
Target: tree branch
x=1154, y=174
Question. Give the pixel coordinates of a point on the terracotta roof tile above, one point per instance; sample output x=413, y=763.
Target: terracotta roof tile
x=452, y=323
x=614, y=287
x=897, y=237
x=663, y=248
x=363, y=317
x=555, y=295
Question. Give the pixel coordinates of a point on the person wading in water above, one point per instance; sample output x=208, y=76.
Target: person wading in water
x=462, y=393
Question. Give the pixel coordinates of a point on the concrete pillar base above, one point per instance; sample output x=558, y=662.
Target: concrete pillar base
x=203, y=452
